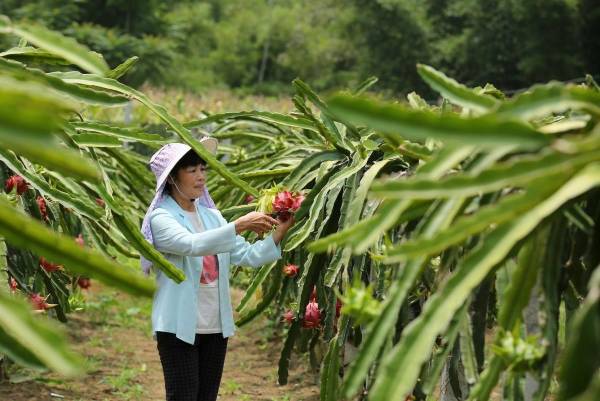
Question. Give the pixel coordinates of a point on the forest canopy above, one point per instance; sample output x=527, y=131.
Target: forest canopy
x=262, y=45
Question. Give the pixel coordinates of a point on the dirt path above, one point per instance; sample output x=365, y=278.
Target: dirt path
x=122, y=362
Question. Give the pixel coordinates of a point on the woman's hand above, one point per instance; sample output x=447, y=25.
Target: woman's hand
x=282, y=229
x=255, y=221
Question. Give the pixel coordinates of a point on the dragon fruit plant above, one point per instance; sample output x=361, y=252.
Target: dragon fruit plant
x=359, y=303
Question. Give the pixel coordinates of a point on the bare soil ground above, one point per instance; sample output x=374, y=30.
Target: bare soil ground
x=122, y=362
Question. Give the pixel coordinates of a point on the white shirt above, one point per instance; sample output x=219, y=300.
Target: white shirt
x=207, y=311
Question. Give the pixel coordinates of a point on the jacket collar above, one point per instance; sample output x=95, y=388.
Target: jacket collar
x=171, y=205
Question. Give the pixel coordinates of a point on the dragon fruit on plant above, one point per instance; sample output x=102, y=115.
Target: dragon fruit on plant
x=286, y=203
x=338, y=307
x=39, y=303
x=312, y=316
x=13, y=285
x=41, y=202
x=79, y=240
x=280, y=203
x=291, y=270
x=288, y=317
x=18, y=182
x=84, y=283
x=49, y=266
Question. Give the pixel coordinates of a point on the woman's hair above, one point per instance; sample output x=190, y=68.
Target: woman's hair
x=190, y=159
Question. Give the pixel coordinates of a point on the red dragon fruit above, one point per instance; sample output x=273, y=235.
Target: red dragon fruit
x=41, y=202
x=288, y=317
x=286, y=203
x=249, y=199
x=13, y=285
x=84, y=282
x=338, y=308
x=39, y=303
x=18, y=182
x=48, y=266
x=79, y=240
x=290, y=270
x=312, y=316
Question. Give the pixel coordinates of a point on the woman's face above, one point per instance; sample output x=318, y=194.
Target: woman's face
x=191, y=180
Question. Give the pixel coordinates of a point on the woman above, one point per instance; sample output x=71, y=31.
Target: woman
x=192, y=320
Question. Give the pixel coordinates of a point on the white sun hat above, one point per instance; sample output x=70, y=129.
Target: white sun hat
x=161, y=164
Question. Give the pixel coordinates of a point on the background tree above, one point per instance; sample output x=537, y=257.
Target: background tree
x=589, y=17
x=262, y=45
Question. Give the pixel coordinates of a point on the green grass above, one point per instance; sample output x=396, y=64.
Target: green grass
x=124, y=384
x=230, y=386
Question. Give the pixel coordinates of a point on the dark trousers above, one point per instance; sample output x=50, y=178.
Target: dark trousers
x=192, y=372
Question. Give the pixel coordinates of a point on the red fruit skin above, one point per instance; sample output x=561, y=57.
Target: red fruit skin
x=338, y=308
x=100, y=202
x=283, y=201
x=13, y=285
x=84, y=283
x=288, y=317
x=41, y=202
x=9, y=184
x=79, y=240
x=285, y=204
x=38, y=302
x=18, y=181
x=48, y=266
x=298, y=202
x=290, y=270
x=312, y=316
x=249, y=199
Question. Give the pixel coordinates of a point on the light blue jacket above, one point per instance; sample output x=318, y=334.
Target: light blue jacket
x=174, y=306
